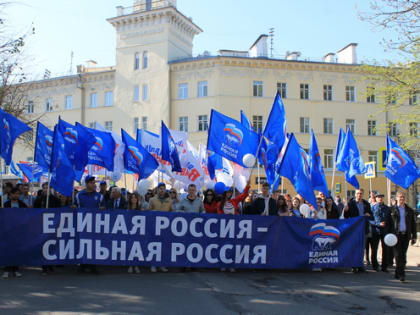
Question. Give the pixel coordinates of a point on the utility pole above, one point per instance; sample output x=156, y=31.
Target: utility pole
x=271, y=41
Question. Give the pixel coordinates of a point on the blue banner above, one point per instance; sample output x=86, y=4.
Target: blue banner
x=130, y=237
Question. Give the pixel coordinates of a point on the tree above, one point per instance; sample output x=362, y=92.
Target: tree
x=397, y=84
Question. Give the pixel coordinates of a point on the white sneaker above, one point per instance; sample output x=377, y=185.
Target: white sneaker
x=153, y=269
x=163, y=269
x=232, y=269
x=222, y=269
x=136, y=269
x=130, y=269
x=5, y=275
x=18, y=274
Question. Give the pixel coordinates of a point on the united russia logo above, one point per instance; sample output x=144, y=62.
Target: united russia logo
x=99, y=144
x=233, y=134
x=324, y=239
x=135, y=153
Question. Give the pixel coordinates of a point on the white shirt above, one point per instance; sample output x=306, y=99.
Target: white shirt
x=402, y=226
x=266, y=206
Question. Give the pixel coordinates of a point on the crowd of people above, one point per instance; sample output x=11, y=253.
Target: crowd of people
x=381, y=218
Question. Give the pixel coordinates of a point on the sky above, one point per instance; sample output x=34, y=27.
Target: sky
x=314, y=28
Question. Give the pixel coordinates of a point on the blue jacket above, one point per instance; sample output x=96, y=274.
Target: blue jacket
x=381, y=213
x=93, y=200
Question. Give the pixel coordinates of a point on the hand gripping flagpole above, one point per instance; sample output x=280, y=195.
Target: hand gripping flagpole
x=332, y=182
x=48, y=189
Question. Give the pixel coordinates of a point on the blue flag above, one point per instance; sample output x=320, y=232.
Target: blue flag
x=349, y=160
x=169, y=151
x=43, y=146
x=230, y=139
x=62, y=173
x=136, y=158
x=275, y=129
x=214, y=162
x=400, y=168
x=294, y=165
x=11, y=128
x=245, y=121
x=15, y=171
x=340, y=141
x=317, y=169
x=103, y=150
x=32, y=172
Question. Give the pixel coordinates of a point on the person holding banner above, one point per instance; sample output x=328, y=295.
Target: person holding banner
x=25, y=196
x=41, y=199
x=161, y=202
x=191, y=203
x=404, y=220
x=227, y=205
x=116, y=201
x=210, y=201
x=264, y=204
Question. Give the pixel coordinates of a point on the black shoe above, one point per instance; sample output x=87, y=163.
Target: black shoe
x=376, y=268
x=354, y=270
x=94, y=271
x=396, y=276
x=361, y=270
x=384, y=270
x=402, y=279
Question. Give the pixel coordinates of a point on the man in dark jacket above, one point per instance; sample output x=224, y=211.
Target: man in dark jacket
x=382, y=225
x=263, y=204
x=116, y=201
x=358, y=207
x=41, y=200
x=404, y=224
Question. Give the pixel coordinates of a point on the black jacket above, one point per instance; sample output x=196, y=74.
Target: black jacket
x=353, y=211
x=382, y=213
x=110, y=204
x=8, y=204
x=41, y=202
x=410, y=221
x=258, y=206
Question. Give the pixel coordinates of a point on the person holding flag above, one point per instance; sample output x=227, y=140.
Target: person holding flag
x=316, y=168
x=169, y=150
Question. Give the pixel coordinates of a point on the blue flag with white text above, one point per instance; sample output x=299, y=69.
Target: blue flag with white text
x=230, y=139
x=62, y=173
x=103, y=150
x=32, y=171
x=340, y=141
x=400, y=168
x=317, y=169
x=136, y=157
x=294, y=165
x=43, y=146
x=169, y=151
x=10, y=129
x=275, y=129
x=15, y=171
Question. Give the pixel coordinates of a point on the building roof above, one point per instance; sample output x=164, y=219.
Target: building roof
x=259, y=37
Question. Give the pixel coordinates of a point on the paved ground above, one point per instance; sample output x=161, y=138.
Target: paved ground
x=212, y=292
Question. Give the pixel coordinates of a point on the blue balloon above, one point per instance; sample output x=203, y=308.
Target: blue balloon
x=220, y=188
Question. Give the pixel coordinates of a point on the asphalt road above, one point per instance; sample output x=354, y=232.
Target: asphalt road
x=212, y=292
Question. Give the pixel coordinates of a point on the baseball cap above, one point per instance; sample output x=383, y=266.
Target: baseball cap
x=102, y=183
x=378, y=194
x=161, y=184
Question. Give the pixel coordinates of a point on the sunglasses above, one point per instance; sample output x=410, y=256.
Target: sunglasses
x=173, y=192
x=209, y=195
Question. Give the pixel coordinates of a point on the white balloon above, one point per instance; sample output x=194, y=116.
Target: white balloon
x=142, y=186
x=115, y=176
x=390, y=240
x=304, y=210
x=248, y=160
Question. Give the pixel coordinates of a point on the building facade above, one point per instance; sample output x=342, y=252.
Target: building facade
x=157, y=78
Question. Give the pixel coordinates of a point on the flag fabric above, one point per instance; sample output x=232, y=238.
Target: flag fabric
x=294, y=165
x=400, y=168
x=169, y=149
x=15, y=171
x=103, y=150
x=340, y=141
x=245, y=121
x=214, y=162
x=10, y=129
x=136, y=158
x=317, y=169
x=33, y=172
x=43, y=146
x=62, y=172
x=230, y=139
x=349, y=160
x=240, y=176
x=225, y=174
x=275, y=129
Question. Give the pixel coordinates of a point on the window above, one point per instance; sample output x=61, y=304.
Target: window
x=145, y=95
x=68, y=102
x=145, y=59
x=373, y=157
x=92, y=125
x=257, y=123
x=202, y=89
x=391, y=98
x=412, y=99
x=203, y=124
x=135, y=125
x=370, y=91
x=350, y=194
x=350, y=124
x=30, y=107
x=109, y=98
x=136, y=61
x=258, y=88
x=350, y=94
x=144, y=123
x=304, y=124
x=282, y=89
x=328, y=125
x=108, y=125
x=413, y=126
x=327, y=92
x=182, y=91
x=183, y=123
x=136, y=93
x=328, y=158
x=48, y=105
x=393, y=129
x=304, y=91
x=93, y=100
x=371, y=127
